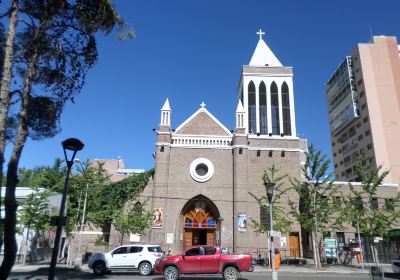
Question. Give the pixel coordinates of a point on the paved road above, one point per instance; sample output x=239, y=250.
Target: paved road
x=41, y=274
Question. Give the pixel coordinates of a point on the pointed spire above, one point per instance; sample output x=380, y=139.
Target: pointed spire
x=166, y=114
x=166, y=106
x=263, y=56
x=240, y=108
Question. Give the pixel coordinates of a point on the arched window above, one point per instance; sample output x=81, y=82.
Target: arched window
x=252, y=107
x=287, y=130
x=275, y=109
x=138, y=208
x=263, y=109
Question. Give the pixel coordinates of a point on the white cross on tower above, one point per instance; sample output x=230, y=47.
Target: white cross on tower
x=203, y=105
x=260, y=33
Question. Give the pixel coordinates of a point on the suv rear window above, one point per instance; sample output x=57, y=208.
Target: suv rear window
x=156, y=249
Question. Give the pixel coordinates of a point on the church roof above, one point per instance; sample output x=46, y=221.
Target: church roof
x=202, y=122
x=263, y=56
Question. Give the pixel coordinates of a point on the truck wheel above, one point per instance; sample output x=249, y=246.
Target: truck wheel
x=231, y=273
x=171, y=273
x=145, y=269
x=99, y=268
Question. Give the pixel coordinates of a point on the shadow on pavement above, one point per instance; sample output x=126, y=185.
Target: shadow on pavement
x=61, y=273
x=391, y=275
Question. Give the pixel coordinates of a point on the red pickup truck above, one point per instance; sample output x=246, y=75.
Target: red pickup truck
x=204, y=260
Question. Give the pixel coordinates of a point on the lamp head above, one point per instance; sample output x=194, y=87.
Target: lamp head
x=269, y=188
x=72, y=144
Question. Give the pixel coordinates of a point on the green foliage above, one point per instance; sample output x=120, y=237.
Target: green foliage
x=280, y=221
x=361, y=204
x=314, y=210
x=110, y=200
x=48, y=177
x=35, y=211
x=100, y=241
x=133, y=220
x=85, y=185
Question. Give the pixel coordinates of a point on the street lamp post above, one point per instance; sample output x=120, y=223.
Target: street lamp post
x=78, y=259
x=269, y=188
x=74, y=145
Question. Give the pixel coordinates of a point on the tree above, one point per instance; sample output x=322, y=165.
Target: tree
x=281, y=222
x=362, y=205
x=46, y=62
x=111, y=199
x=315, y=191
x=34, y=214
x=132, y=220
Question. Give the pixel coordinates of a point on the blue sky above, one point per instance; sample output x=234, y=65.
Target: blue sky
x=192, y=51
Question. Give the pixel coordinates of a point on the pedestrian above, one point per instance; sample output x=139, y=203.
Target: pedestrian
x=65, y=255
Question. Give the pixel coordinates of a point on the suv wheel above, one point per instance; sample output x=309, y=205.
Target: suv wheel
x=145, y=269
x=99, y=268
x=171, y=273
x=231, y=273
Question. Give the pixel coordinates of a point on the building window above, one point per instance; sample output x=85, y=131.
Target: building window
x=362, y=93
x=334, y=154
x=263, y=109
x=252, y=108
x=374, y=203
x=364, y=106
x=340, y=238
x=264, y=218
x=389, y=204
x=365, y=119
x=359, y=82
x=275, y=109
x=201, y=170
x=368, y=132
x=336, y=165
x=369, y=146
x=360, y=137
x=287, y=130
x=358, y=124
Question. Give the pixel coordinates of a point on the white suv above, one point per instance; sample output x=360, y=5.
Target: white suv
x=127, y=257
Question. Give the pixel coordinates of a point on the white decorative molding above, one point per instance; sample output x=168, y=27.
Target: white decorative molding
x=199, y=177
x=201, y=141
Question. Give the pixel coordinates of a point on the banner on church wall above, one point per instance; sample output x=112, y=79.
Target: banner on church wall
x=158, y=217
x=242, y=222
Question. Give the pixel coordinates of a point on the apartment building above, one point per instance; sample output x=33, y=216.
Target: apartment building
x=364, y=108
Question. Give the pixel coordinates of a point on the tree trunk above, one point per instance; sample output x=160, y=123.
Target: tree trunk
x=5, y=91
x=12, y=171
x=316, y=250
x=26, y=248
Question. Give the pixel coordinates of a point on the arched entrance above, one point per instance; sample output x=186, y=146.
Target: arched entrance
x=200, y=222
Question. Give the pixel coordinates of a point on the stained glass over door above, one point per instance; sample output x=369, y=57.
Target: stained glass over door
x=199, y=219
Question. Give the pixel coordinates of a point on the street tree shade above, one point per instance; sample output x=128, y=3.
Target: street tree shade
x=74, y=145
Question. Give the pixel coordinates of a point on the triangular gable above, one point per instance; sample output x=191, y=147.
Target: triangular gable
x=202, y=122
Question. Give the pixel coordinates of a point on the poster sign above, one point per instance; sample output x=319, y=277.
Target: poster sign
x=242, y=222
x=134, y=237
x=283, y=242
x=330, y=247
x=158, y=218
x=170, y=238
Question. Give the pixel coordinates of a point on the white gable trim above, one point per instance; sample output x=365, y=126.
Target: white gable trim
x=209, y=114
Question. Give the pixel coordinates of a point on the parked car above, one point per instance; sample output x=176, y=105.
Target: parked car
x=204, y=260
x=127, y=257
x=396, y=265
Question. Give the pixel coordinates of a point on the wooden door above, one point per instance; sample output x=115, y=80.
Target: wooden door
x=294, y=245
x=211, y=237
x=187, y=239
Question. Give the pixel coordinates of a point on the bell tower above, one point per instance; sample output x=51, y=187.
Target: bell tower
x=266, y=93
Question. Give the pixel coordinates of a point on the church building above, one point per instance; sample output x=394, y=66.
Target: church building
x=204, y=172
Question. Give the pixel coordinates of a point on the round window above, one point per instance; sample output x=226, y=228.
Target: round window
x=201, y=170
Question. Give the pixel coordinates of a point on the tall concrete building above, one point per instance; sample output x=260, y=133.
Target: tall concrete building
x=364, y=108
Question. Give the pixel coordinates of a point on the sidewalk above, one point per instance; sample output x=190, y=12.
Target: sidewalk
x=310, y=268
